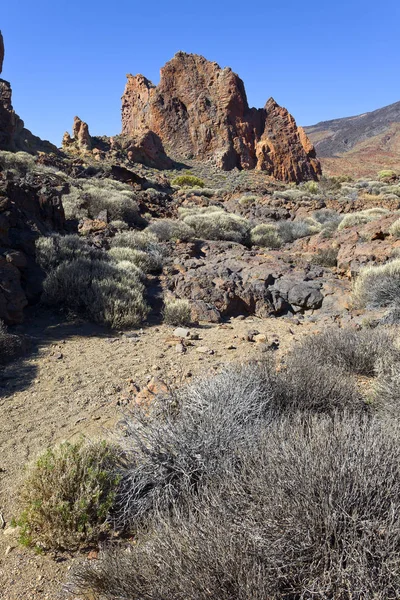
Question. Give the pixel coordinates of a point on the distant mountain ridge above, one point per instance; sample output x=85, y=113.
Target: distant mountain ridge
x=361, y=144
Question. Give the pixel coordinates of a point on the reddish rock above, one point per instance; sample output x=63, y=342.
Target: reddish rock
x=80, y=136
x=13, y=135
x=200, y=110
x=155, y=387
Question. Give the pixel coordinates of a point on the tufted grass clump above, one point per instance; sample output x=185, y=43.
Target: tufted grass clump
x=188, y=181
x=394, y=229
x=362, y=217
x=139, y=247
x=177, y=312
x=214, y=223
x=378, y=286
x=325, y=257
x=289, y=231
x=265, y=235
x=171, y=230
x=67, y=495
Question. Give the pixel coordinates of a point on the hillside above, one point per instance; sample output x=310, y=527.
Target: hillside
x=359, y=145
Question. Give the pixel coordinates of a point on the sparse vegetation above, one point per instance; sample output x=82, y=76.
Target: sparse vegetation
x=293, y=230
x=394, y=229
x=188, y=181
x=325, y=257
x=67, y=495
x=213, y=223
x=265, y=235
x=177, y=312
x=362, y=217
x=378, y=286
x=171, y=230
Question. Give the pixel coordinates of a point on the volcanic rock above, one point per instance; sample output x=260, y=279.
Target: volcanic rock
x=199, y=110
x=13, y=135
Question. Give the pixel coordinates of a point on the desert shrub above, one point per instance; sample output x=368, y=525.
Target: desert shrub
x=148, y=255
x=387, y=174
x=308, y=512
x=289, y=231
x=119, y=225
x=18, y=162
x=206, y=192
x=362, y=217
x=378, y=286
x=265, y=235
x=213, y=223
x=171, y=229
x=146, y=262
x=11, y=345
x=291, y=194
x=177, y=312
x=311, y=186
x=90, y=198
x=188, y=181
x=305, y=387
x=327, y=218
x=178, y=449
x=358, y=352
x=394, y=229
x=55, y=249
x=67, y=495
x=248, y=200
x=325, y=257
x=386, y=396
x=102, y=291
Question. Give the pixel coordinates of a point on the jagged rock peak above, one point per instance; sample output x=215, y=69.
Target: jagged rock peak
x=199, y=110
x=1, y=52
x=81, y=137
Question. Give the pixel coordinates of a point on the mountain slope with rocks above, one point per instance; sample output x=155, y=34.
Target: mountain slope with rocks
x=359, y=145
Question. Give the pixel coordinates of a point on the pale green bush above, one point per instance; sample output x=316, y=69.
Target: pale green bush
x=362, y=217
x=266, y=235
x=177, y=312
x=214, y=223
x=378, y=286
x=171, y=229
x=394, y=229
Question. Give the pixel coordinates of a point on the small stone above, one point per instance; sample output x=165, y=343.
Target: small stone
x=182, y=332
x=230, y=347
x=260, y=338
x=204, y=350
x=180, y=349
x=249, y=337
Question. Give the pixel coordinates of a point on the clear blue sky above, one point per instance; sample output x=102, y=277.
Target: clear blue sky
x=321, y=60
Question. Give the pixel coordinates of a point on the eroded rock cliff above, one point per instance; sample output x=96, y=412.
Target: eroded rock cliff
x=199, y=110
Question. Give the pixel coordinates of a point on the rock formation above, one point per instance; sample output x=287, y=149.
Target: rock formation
x=13, y=135
x=199, y=110
x=81, y=137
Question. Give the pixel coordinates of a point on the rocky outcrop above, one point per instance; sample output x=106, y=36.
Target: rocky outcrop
x=29, y=207
x=223, y=279
x=199, y=110
x=80, y=136
x=13, y=135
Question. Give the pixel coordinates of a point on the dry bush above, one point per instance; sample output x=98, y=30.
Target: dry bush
x=55, y=249
x=328, y=219
x=177, y=312
x=394, y=229
x=362, y=217
x=307, y=510
x=21, y=163
x=386, y=392
x=11, y=345
x=90, y=198
x=359, y=352
x=146, y=252
x=265, y=235
x=187, y=440
x=171, y=229
x=378, y=286
x=145, y=261
x=67, y=495
x=213, y=223
x=289, y=231
x=102, y=291
x=325, y=257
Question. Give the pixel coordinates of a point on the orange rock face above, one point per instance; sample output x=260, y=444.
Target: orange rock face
x=199, y=110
